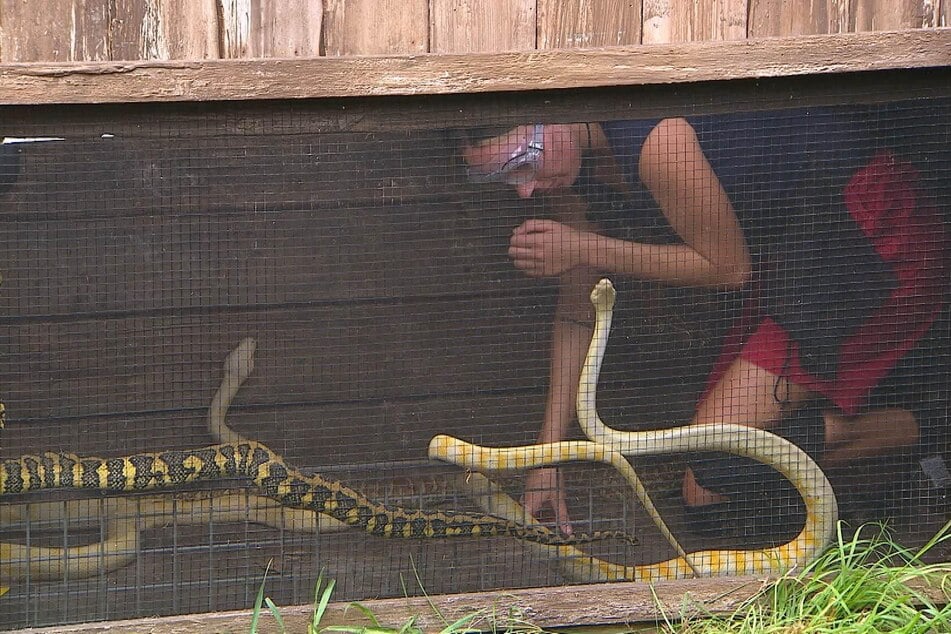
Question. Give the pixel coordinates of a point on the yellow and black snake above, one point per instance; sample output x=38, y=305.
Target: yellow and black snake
x=273, y=478
x=270, y=475
x=609, y=445
x=238, y=457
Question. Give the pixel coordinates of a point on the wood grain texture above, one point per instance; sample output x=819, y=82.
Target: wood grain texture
x=477, y=26
x=471, y=73
x=358, y=433
x=668, y=21
x=588, y=23
x=271, y=28
x=376, y=27
x=54, y=30
x=935, y=13
x=178, y=169
x=92, y=30
x=890, y=15
x=774, y=18
x=363, y=351
x=165, y=29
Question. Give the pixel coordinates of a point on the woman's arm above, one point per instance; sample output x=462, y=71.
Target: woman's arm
x=678, y=175
x=571, y=334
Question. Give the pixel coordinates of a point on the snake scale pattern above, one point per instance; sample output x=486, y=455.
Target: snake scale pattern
x=610, y=446
x=272, y=477
x=238, y=457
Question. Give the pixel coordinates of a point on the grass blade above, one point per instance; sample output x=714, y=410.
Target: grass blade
x=276, y=613
x=259, y=601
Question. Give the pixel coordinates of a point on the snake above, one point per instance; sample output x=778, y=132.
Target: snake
x=605, y=443
x=125, y=518
x=339, y=506
x=272, y=477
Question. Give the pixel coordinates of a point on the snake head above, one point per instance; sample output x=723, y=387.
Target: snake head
x=603, y=295
x=240, y=363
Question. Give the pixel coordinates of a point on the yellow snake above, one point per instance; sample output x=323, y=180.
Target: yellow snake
x=809, y=480
x=126, y=518
x=273, y=478
x=605, y=444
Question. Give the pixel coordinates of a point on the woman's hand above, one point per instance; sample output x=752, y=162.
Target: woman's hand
x=543, y=488
x=545, y=248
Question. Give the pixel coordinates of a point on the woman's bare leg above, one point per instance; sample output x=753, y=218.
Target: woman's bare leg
x=745, y=395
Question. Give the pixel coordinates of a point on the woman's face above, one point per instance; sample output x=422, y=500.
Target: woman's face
x=530, y=157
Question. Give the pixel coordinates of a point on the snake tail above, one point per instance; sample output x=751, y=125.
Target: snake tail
x=275, y=479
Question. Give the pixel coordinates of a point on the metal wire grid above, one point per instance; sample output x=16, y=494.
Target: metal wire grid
x=199, y=563
x=180, y=568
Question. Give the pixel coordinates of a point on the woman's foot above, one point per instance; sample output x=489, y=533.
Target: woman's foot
x=877, y=433
x=759, y=517
x=696, y=495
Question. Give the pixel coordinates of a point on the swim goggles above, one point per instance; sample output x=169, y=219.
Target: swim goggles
x=519, y=166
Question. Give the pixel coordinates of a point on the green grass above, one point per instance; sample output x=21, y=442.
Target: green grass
x=481, y=621
x=864, y=584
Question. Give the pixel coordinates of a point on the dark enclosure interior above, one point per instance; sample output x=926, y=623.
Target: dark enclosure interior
x=370, y=264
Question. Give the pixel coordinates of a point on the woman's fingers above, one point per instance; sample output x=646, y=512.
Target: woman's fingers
x=561, y=512
x=544, y=491
x=533, y=225
x=528, y=263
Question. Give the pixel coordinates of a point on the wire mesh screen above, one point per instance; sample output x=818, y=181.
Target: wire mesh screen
x=341, y=283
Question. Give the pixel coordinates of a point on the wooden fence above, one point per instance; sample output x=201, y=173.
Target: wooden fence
x=112, y=30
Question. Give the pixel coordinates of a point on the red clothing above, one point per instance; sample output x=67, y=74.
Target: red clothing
x=908, y=235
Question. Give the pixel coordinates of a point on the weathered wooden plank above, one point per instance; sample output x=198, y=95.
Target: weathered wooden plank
x=364, y=350
x=934, y=13
x=656, y=27
x=420, y=116
x=621, y=604
x=136, y=32
x=417, y=359
x=588, y=23
x=477, y=26
x=124, y=175
x=54, y=30
x=472, y=73
x=890, y=15
x=311, y=436
x=772, y=18
x=675, y=21
x=165, y=29
x=841, y=18
x=165, y=262
x=376, y=27
x=271, y=28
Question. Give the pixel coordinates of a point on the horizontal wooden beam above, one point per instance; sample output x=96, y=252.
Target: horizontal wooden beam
x=617, y=604
x=578, y=605
x=214, y=80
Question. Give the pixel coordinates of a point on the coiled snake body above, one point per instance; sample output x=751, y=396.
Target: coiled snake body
x=607, y=445
x=238, y=457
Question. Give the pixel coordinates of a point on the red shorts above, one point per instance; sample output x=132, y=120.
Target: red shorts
x=908, y=235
